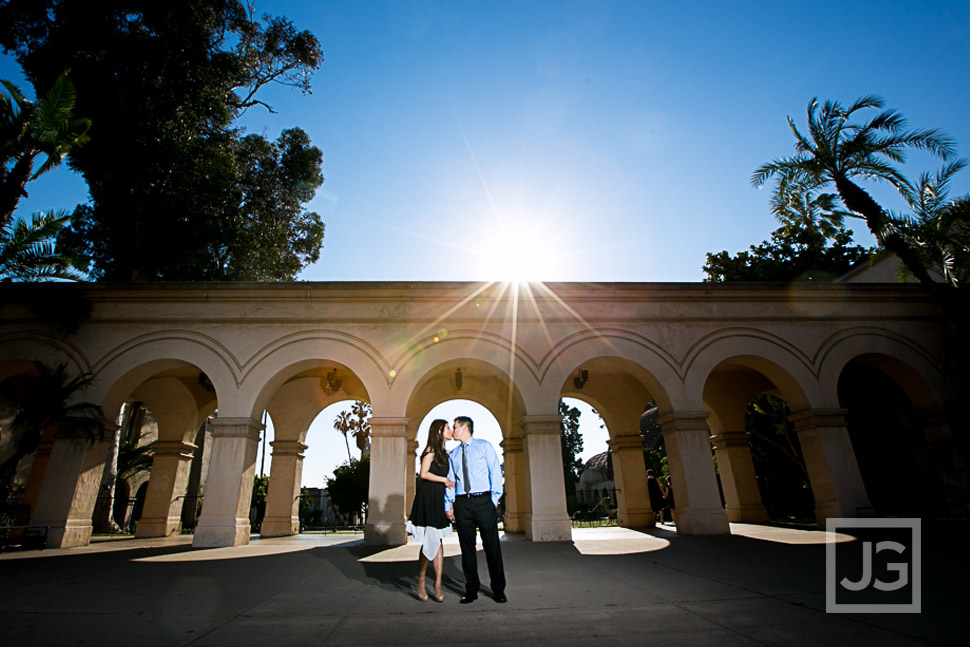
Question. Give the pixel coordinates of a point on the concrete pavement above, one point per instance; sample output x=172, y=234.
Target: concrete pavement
x=762, y=585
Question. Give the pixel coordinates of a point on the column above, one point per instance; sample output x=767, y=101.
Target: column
x=409, y=475
x=283, y=499
x=229, y=486
x=547, y=520
x=832, y=467
x=65, y=501
x=162, y=514
x=633, y=500
x=742, y=498
x=698, y=504
x=516, y=507
x=42, y=457
x=945, y=458
x=388, y=487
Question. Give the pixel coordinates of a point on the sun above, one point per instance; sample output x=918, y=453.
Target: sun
x=518, y=252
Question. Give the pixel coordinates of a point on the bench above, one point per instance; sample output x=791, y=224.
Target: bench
x=23, y=537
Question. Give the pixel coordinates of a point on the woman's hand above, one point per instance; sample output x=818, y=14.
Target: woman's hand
x=449, y=483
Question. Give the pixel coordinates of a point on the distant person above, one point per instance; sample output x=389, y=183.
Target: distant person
x=474, y=504
x=669, y=499
x=656, y=496
x=428, y=522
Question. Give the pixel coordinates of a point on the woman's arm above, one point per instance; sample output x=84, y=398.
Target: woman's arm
x=426, y=471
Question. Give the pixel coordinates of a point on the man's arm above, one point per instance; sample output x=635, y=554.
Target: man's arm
x=450, y=491
x=494, y=473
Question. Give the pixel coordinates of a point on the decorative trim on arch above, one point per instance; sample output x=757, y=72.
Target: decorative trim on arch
x=605, y=335
x=219, y=350
x=710, y=339
x=367, y=350
x=57, y=342
x=418, y=347
x=833, y=341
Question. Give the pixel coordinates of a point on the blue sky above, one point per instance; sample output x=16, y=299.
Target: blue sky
x=616, y=138
x=614, y=141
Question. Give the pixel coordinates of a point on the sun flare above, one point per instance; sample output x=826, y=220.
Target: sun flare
x=518, y=253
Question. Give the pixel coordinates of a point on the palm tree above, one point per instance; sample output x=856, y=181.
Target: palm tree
x=42, y=401
x=837, y=151
x=798, y=206
x=361, y=428
x=28, y=130
x=27, y=249
x=939, y=229
x=344, y=424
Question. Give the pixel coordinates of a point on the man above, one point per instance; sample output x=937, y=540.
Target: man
x=474, y=468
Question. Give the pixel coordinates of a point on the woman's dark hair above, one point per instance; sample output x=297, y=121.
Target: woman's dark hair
x=436, y=444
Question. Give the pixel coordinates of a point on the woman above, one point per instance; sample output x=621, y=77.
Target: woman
x=427, y=521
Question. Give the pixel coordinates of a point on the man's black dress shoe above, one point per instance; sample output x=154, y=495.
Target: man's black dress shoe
x=467, y=599
x=500, y=598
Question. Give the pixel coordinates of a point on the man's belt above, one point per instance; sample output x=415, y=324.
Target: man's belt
x=474, y=495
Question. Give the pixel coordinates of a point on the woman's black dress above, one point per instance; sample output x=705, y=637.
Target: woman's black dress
x=428, y=522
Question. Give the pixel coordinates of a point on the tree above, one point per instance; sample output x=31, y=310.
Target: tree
x=792, y=254
x=571, y=441
x=27, y=249
x=344, y=424
x=349, y=486
x=938, y=229
x=361, y=428
x=177, y=192
x=44, y=401
x=837, y=151
x=28, y=130
x=354, y=423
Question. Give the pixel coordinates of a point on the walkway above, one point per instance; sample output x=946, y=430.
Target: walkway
x=610, y=586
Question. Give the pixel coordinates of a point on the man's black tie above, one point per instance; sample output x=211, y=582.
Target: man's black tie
x=464, y=468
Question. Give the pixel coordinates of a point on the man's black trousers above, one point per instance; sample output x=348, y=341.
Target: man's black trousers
x=472, y=513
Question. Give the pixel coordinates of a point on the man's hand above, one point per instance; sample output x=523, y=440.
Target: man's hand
x=450, y=514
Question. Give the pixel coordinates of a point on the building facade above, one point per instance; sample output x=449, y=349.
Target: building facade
x=700, y=351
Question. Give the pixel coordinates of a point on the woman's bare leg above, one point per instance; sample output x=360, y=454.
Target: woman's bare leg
x=439, y=566
x=422, y=569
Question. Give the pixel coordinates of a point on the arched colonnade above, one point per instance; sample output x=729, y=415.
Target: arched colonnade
x=701, y=352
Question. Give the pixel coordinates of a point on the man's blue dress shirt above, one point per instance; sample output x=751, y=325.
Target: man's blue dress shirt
x=484, y=473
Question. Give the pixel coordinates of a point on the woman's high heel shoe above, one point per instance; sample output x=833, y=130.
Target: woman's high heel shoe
x=437, y=597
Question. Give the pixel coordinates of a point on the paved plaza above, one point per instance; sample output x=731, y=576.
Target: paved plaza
x=762, y=585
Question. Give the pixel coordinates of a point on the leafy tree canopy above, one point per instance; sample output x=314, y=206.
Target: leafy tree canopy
x=178, y=193
x=792, y=254
x=349, y=486
x=572, y=445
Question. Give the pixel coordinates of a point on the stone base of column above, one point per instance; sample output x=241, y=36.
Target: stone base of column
x=701, y=522
x=747, y=514
x=157, y=527
x=515, y=522
x=381, y=532
x=71, y=534
x=637, y=518
x=219, y=533
x=280, y=527
x=548, y=528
